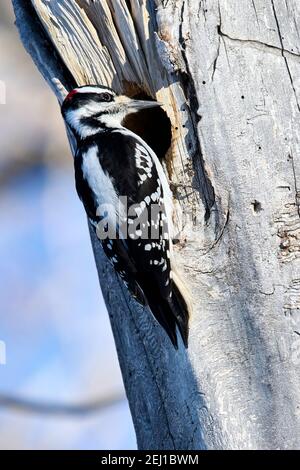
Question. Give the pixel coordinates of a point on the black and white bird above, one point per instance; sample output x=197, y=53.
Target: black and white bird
x=125, y=192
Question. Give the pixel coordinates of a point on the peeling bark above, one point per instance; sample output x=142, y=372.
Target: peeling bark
x=228, y=74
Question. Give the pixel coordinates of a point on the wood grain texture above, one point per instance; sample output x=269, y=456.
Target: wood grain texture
x=227, y=72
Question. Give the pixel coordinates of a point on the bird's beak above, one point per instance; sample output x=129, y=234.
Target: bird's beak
x=133, y=105
x=138, y=105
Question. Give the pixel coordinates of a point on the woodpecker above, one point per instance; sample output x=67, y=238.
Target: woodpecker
x=126, y=196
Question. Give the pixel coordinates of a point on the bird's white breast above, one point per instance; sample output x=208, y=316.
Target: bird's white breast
x=101, y=185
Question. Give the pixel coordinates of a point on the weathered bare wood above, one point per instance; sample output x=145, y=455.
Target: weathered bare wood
x=227, y=72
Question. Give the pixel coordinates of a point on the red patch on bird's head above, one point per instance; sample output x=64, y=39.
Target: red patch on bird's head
x=71, y=94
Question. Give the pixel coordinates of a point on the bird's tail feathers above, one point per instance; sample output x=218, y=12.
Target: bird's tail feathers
x=174, y=311
x=137, y=292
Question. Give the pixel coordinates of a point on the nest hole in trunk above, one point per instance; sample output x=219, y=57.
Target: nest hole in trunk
x=152, y=125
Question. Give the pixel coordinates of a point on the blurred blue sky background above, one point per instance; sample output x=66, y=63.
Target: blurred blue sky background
x=59, y=345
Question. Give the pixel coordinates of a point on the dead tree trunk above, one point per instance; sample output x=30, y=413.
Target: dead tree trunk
x=227, y=72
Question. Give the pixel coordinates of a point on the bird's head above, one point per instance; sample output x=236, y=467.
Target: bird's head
x=89, y=109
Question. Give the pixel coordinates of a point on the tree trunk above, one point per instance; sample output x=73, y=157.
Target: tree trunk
x=227, y=72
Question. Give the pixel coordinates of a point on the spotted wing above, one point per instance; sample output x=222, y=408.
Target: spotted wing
x=135, y=171
x=115, y=247
x=141, y=256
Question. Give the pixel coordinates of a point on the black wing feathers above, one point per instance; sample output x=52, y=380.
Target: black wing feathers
x=143, y=264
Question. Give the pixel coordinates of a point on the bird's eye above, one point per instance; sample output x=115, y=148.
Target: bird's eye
x=106, y=97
